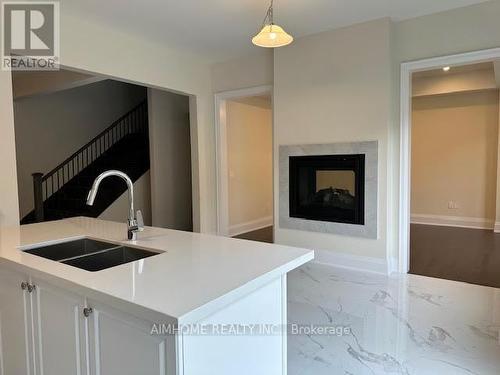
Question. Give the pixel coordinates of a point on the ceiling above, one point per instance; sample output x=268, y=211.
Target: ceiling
x=455, y=70
x=29, y=83
x=459, y=79
x=222, y=29
x=261, y=101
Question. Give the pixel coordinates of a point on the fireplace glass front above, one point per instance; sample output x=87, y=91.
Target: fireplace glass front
x=328, y=188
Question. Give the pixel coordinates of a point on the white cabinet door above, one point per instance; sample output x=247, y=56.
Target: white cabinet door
x=121, y=344
x=59, y=331
x=15, y=326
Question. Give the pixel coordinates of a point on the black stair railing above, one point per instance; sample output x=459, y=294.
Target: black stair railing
x=44, y=186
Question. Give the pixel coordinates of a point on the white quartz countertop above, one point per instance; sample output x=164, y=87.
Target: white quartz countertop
x=193, y=276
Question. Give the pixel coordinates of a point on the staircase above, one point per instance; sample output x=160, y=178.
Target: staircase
x=62, y=192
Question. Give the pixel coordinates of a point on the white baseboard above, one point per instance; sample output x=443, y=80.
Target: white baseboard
x=249, y=226
x=496, y=229
x=392, y=265
x=454, y=221
x=352, y=262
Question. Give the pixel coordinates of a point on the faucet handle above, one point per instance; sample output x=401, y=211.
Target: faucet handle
x=140, y=221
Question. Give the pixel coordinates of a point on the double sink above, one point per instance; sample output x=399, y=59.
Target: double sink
x=90, y=255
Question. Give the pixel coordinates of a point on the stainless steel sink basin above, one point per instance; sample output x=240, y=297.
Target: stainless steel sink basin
x=109, y=258
x=70, y=249
x=90, y=255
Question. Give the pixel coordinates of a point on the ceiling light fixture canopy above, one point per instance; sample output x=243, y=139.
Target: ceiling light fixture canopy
x=271, y=35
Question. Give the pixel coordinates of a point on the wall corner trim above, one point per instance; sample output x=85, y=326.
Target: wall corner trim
x=496, y=228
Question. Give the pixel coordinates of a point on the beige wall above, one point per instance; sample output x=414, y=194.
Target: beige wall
x=335, y=87
x=250, y=163
x=170, y=149
x=103, y=50
x=454, y=154
x=75, y=116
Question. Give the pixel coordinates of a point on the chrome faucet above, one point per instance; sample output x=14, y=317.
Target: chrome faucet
x=135, y=221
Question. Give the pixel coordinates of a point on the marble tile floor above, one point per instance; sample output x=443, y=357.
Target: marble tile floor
x=401, y=324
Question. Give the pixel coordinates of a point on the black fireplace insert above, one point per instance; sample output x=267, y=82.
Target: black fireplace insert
x=328, y=188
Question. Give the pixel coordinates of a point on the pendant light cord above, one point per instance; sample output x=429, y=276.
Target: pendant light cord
x=269, y=15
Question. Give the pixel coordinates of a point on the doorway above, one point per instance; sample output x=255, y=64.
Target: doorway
x=245, y=164
x=105, y=123
x=449, y=144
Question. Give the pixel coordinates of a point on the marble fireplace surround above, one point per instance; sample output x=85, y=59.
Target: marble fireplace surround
x=370, y=149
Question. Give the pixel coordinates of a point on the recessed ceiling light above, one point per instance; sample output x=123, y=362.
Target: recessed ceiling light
x=446, y=68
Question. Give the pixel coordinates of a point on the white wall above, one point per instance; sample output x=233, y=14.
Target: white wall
x=335, y=87
x=459, y=30
x=248, y=71
x=50, y=128
x=250, y=164
x=170, y=150
x=454, y=158
x=118, y=211
x=9, y=202
x=100, y=49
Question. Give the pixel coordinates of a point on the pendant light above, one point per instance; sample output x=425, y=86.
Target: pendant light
x=271, y=35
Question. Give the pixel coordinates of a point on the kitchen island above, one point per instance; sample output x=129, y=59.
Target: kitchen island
x=201, y=304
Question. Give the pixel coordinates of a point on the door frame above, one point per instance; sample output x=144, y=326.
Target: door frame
x=221, y=99
x=407, y=69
